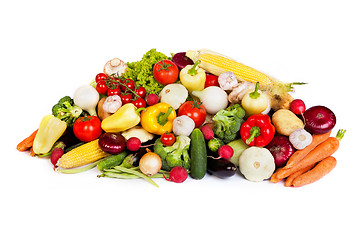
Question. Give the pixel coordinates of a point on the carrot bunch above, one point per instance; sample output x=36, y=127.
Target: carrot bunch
x=311, y=163
x=27, y=143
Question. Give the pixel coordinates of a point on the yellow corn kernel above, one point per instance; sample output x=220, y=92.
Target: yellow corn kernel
x=217, y=64
x=85, y=154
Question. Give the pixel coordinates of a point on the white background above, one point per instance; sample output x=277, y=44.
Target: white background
x=49, y=49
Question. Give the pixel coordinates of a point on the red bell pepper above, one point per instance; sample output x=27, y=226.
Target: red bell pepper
x=257, y=130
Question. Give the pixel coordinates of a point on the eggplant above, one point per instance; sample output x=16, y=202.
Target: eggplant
x=220, y=167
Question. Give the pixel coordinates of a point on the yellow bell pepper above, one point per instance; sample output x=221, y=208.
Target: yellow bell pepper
x=193, y=77
x=158, y=118
x=123, y=119
x=50, y=130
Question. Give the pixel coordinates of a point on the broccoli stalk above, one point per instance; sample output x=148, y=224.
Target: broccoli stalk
x=227, y=122
x=174, y=155
x=67, y=111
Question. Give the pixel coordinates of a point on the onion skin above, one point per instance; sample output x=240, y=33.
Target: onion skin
x=113, y=143
x=150, y=164
x=319, y=120
x=281, y=149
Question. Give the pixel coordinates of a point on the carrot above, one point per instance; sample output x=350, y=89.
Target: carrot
x=300, y=154
x=32, y=153
x=323, y=150
x=290, y=179
x=320, y=170
x=274, y=177
x=27, y=142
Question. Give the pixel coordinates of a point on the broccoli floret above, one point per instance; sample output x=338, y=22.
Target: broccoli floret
x=174, y=155
x=227, y=122
x=67, y=111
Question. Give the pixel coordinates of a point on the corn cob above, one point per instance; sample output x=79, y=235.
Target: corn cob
x=85, y=154
x=216, y=64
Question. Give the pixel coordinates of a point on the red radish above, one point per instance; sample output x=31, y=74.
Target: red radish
x=207, y=132
x=133, y=144
x=297, y=106
x=177, y=174
x=56, y=155
x=152, y=99
x=226, y=152
x=319, y=120
x=281, y=149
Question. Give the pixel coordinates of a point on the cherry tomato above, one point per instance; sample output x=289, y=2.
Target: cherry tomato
x=129, y=83
x=87, y=128
x=211, y=80
x=167, y=139
x=126, y=98
x=165, y=72
x=195, y=110
x=100, y=76
x=139, y=103
x=115, y=91
x=141, y=91
x=101, y=87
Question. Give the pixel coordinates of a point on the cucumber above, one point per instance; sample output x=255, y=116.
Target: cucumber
x=112, y=161
x=198, y=154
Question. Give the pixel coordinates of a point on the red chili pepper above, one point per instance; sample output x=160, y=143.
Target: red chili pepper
x=257, y=130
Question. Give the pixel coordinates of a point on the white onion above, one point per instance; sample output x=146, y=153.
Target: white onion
x=213, y=98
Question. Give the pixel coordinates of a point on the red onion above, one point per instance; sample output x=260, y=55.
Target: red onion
x=319, y=120
x=281, y=149
x=113, y=143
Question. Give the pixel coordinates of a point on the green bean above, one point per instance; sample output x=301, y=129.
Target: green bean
x=126, y=170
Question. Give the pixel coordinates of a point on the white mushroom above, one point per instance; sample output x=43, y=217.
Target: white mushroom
x=115, y=67
x=239, y=91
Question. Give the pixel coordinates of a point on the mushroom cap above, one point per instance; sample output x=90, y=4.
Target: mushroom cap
x=115, y=66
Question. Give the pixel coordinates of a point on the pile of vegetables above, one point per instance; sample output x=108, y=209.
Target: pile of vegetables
x=180, y=116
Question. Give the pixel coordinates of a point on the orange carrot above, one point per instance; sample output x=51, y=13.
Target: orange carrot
x=300, y=154
x=274, y=177
x=27, y=142
x=323, y=150
x=320, y=170
x=32, y=153
x=289, y=180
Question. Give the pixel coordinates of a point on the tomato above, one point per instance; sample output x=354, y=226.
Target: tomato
x=126, y=98
x=211, y=80
x=195, y=110
x=101, y=87
x=114, y=91
x=139, y=103
x=167, y=139
x=100, y=76
x=165, y=72
x=141, y=92
x=128, y=83
x=87, y=128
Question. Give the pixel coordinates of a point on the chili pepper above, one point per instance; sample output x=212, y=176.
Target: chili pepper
x=124, y=118
x=50, y=130
x=257, y=130
x=158, y=118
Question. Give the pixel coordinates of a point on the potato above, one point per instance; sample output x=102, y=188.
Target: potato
x=285, y=122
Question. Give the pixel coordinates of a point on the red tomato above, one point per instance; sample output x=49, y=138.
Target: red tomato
x=141, y=91
x=195, y=110
x=211, y=80
x=100, y=76
x=101, y=87
x=167, y=139
x=115, y=91
x=128, y=83
x=165, y=72
x=126, y=98
x=87, y=128
x=139, y=103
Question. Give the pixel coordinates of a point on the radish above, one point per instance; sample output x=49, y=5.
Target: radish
x=56, y=155
x=207, y=132
x=152, y=99
x=226, y=152
x=297, y=106
x=177, y=174
x=133, y=144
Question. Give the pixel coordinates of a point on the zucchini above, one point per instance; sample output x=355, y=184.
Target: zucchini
x=198, y=154
x=112, y=161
